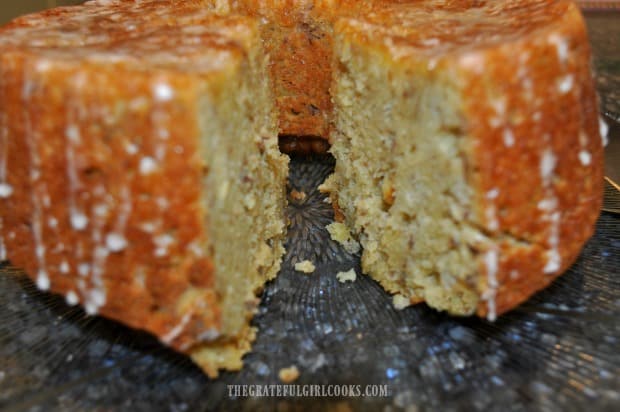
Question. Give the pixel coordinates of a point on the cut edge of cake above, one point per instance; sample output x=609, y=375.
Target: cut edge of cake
x=251, y=228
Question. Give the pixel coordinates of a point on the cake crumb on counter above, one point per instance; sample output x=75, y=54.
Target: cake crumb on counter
x=348, y=276
x=288, y=375
x=305, y=266
x=298, y=195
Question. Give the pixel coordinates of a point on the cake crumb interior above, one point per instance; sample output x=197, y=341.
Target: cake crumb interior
x=244, y=185
x=401, y=178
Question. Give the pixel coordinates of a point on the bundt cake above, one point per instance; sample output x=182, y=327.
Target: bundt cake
x=140, y=174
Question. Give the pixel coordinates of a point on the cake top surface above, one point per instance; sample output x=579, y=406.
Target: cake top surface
x=193, y=35
x=439, y=27
x=155, y=34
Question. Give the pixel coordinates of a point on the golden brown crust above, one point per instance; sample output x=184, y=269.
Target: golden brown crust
x=550, y=112
x=141, y=285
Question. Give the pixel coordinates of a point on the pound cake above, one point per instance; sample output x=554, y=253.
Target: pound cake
x=140, y=174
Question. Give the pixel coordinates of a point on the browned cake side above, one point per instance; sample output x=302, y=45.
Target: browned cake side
x=554, y=207
x=485, y=176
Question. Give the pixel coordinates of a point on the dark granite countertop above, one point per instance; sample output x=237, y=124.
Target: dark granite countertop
x=560, y=351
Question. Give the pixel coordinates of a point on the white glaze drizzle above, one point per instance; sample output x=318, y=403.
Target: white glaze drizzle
x=72, y=298
x=491, y=262
x=209, y=335
x=162, y=242
x=131, y=148
x=491, y=257
x=5, y=189
x=64, y=267
x=177, y=330
x=147, y=165
x=162, y=91
x=473, y=61
x=565, y=84
x=90, y=284
x=3, y=127
x=493, y=193
x=549, y=207
x=160, y=120
x=554, y=259
x=32, y=141
x=561, y=46
x=194, y=248
x=96, y=296
x=52, y=222
x=3, y=256
x=509, y=138
x=77, y=217
x=547, y=165
x=490, y=210
x=116, y=241
x=499, y=106
x=585, y=157
x=83, y=269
